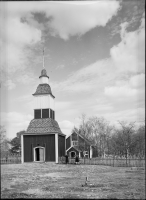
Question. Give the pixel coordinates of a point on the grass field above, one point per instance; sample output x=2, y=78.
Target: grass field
x=50, y=180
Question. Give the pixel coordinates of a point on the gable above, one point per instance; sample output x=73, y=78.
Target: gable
x=74, y=136
x=72, y=149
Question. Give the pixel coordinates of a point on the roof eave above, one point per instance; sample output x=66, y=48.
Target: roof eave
x=43, y=76
x=46, y=133
x=35, y=94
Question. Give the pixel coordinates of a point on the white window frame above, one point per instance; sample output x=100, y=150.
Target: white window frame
x=74, y=143
x=86, y=153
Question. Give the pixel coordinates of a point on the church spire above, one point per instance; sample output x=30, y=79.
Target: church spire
x=43, y=58
x=44, y=77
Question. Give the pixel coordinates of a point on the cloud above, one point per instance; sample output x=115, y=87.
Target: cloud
x=71, y=19
x=132, y=87
x=137, y=81
x=102, y=107
x=60, y=67
x=88, y=78
x=24, y=34
x=27, y=78
x=21, y=31
x=121, y=91
x=129, y=115
x=129, y=54
x=67, y=18
x=15, y=122
x=66, y=126
x=60, y=106
x=10, y=85
x=128, y=58
x=16, y=38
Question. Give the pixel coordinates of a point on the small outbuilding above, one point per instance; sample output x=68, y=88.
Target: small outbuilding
x=43, y=141
x=78, y=144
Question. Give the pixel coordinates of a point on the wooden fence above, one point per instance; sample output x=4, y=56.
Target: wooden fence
x=115, y=162
x=11, y=159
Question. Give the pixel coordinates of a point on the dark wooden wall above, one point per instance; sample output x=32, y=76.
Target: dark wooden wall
x=95, y=152
x=83, y=144
x=47, y=141
x=61, y=145
x=74, y=136
x=68, y=144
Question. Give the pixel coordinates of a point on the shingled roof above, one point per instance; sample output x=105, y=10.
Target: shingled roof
x=43, y=89
x=43, y=126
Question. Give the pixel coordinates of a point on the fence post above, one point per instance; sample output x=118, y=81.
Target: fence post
x=113, y=160
x=126, y=161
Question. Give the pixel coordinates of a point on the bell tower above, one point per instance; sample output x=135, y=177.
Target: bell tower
x=43, y=141
x=44, y=100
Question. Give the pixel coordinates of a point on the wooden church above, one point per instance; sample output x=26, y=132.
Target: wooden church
x=43, y=141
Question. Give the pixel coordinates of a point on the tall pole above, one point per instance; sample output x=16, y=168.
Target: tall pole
x=43, y=58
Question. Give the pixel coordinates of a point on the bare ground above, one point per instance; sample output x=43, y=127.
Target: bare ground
x=50, y=180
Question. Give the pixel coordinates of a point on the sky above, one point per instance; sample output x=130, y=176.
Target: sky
x=94, y=57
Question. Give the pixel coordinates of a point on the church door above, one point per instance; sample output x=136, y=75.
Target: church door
x=39, y=154
x=73, y=154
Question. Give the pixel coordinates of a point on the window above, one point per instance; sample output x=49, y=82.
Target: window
x=74, y=143
x=86, y=153
x=51, y=113
x=37, y=114
x=45, y=113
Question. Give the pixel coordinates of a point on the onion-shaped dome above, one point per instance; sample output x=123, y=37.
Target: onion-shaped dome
x=43, y=73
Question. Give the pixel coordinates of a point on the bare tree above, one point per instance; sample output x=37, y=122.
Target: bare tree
x=4, y=142
x=97, y=130
x=122, y=140
x=138, y=147
x=101, y=131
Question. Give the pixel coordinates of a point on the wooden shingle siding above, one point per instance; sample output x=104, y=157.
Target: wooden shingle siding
x=42, y=140
x=48, y=125
x=61, y=145
x=43, y=89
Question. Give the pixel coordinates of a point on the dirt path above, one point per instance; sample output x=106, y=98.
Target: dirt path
x=50, y=180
